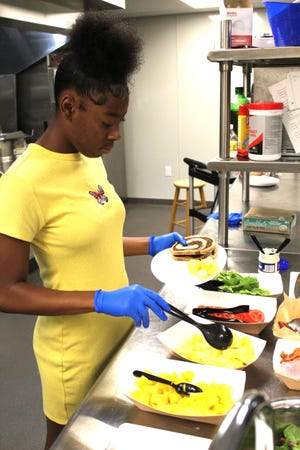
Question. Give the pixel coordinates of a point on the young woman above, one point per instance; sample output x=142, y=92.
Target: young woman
x=56, y=199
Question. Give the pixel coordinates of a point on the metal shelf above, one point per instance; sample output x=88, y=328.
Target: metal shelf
x=257, y=57
x=282, y=165
x=247, y=58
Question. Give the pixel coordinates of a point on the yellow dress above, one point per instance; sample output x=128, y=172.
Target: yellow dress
x=65, y=206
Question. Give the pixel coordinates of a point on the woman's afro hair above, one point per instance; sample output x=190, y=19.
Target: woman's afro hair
x=105, y=46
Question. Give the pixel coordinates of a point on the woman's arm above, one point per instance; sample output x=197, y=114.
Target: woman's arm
x=136, y=246
x=18, y=296
x=150, y=245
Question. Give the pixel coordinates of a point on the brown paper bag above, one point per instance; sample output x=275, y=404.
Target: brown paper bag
x=288, y=310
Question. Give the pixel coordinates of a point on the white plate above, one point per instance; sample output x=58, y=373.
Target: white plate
x=262, y=181
x=135, y=437
x=175, y=336
x=293, y=278
x=268, y=305
x=269, y=281
x=168, y=270
x=287, y=346
x=208, y=374
x=180, y=296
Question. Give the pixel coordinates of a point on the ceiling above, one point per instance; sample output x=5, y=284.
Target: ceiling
x=31, y=29
x=150, y=7
x=134, y=8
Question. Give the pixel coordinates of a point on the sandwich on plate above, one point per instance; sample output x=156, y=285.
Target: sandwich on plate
x=198, y=247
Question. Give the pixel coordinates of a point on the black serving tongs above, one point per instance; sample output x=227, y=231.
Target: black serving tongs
x=217, y=335
x=206, y=312
x=211, y=285
x=260, y=248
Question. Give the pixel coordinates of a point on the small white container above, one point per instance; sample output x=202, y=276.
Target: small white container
x=265, y=131
x=6, y=162
x=268, y=262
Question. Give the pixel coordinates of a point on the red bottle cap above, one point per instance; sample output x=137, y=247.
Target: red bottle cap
x=242, y=154
x=244, y=109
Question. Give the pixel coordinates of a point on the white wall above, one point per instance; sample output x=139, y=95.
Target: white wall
x=174, y=106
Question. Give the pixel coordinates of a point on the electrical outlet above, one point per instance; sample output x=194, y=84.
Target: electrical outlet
x=168, y=171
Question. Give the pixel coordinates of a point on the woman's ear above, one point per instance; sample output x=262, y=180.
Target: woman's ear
x=67, y=105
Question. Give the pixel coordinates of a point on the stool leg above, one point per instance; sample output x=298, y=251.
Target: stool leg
x=202, y=197
x=191, y=202
x=174, y=208
x=187, y=213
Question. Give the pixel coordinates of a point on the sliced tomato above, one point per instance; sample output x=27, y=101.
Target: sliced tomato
x=223, y=315
x=253, y=316
x=243, y=317
x=256, y=315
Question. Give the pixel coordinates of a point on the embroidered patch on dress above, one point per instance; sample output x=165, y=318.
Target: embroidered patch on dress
x=99, y=195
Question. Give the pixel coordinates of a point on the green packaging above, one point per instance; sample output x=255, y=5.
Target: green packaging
x=269, y=220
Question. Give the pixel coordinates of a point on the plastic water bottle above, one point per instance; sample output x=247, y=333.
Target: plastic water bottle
x=237, y=100
x=233, y=142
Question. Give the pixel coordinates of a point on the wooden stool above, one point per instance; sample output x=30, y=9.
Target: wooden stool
x=184, y=184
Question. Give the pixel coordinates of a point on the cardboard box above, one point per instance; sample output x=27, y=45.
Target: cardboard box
x=265, y=220
x=241, y=15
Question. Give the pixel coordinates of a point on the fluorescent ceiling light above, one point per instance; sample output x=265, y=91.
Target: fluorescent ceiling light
x=201, y=4
x=120, y=3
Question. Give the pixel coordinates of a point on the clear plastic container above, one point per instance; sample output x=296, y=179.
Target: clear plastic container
x=6, y=162
x=265, y=131
x=233, y=142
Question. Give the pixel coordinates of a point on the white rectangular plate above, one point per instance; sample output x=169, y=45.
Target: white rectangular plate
x=137, y=437
x=287, y=346
x=234, y=378
x=188, y=298
x=293, y=278
x=270, y=281
x=176, y=335
x=268, y=305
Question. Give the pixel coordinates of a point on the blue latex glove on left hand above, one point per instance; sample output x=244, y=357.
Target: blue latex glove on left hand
x=159, y=243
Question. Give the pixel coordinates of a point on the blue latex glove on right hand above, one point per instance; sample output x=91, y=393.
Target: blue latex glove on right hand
x=159, y=243
x=132, y=301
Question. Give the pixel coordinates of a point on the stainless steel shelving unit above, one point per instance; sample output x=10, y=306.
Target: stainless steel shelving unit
x=247, y=58
x=288, y=165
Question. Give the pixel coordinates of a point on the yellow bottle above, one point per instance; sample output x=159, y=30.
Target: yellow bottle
x=243, y=131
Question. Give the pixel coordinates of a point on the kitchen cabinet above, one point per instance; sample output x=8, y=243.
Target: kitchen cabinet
x=247, y=59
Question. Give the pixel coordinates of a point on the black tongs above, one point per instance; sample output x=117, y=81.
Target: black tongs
x=206, y=312
x=211, y=285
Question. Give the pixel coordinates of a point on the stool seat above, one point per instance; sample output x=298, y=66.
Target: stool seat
x=184, y=185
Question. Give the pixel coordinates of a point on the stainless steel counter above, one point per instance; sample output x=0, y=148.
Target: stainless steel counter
x=105, y=408
x=285, y=195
